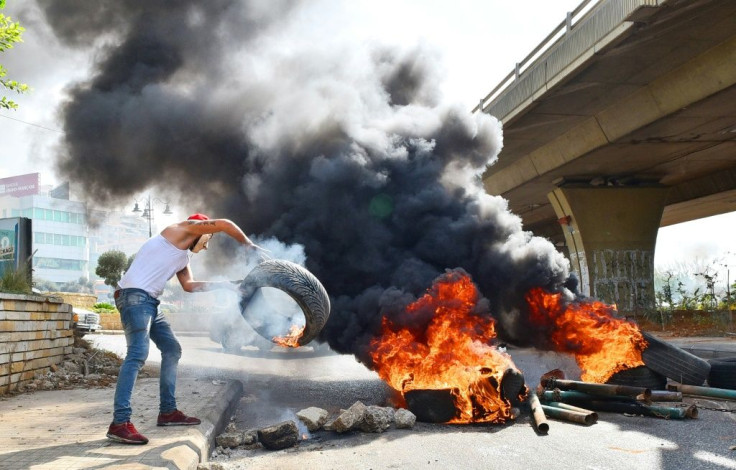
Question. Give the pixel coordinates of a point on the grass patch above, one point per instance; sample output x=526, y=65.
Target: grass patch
x=15, y=281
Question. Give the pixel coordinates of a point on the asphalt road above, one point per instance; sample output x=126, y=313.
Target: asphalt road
x=279, y=383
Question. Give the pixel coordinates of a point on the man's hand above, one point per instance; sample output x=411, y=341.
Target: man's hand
x=262, y=253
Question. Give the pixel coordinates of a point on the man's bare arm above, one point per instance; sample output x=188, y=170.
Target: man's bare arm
x=183, y=234
x=190, y=285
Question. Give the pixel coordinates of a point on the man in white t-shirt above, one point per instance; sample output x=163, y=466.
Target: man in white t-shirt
x=159, y=259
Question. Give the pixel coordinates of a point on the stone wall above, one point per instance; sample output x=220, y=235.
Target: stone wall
x=35, y=334
x=110, y=321
x=76, y=299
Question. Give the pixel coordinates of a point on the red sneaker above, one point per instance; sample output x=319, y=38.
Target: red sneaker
x=176, y=418
x=126, y=433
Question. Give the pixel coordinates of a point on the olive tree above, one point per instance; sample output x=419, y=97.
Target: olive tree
x=111, y=265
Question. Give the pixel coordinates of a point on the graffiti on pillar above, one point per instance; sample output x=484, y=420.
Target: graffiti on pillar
x=579, y=265
x=624, y=278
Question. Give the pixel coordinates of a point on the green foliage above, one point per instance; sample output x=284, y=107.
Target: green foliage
x=693, y=288
x=15, y=281
x=111, y=265
x=104, y=308
x=10, y=33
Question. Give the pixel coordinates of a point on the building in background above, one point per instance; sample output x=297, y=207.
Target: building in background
x=68, y=237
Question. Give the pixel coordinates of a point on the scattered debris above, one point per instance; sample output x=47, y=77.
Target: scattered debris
x=85, y=367
x=359, y=417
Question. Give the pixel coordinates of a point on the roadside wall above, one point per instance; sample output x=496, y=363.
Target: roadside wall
x=76, y=299
x=35, y=334
x=110, y=321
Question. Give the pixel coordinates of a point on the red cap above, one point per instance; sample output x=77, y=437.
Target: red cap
x=198, y=217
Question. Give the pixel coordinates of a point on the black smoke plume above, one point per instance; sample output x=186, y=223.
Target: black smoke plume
x=347, y=151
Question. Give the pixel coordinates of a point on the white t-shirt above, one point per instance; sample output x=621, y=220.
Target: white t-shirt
x=155, y=263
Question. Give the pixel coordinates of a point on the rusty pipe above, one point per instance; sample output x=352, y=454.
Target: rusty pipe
x=704, y=391
x=665, y=395
x=642, y=409
x=571, y=396
x=568, y=415
x=567, y=406
x=597, y=389
x=538, y=417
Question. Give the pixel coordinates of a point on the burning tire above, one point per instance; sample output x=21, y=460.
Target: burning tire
x=674, y=363
x=641, y=376
x=431, y=406
x=723, y=373
x=300, y=284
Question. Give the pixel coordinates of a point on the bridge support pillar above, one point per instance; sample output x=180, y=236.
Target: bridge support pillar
x=611, y=233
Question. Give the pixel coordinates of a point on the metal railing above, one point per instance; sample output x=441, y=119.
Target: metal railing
x=571, y=19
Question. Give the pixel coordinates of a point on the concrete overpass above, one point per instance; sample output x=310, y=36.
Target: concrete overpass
x=622, y=121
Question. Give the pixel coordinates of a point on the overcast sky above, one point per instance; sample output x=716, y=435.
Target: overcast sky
x=477, y=43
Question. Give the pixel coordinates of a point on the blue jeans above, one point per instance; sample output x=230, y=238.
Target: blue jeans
x=142, y=321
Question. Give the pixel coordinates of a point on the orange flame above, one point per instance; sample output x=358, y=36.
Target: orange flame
x=450, y=351
x=291, y=340
x=601, y=343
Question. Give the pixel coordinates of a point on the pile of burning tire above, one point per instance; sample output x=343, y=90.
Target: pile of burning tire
x=665, y=361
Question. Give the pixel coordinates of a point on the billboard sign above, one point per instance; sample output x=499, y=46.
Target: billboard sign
x=17, y=186
x=15, y=244
x=7, y=244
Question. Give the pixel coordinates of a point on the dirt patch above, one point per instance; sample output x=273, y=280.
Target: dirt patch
x=85, y=367
x=687, y=323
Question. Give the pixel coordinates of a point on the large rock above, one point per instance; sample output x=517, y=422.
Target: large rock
x=313, y=417
x=376, y=419
x=250, y=437
x=229, y=439
x=404, y=419
x=279, y=436
x=350, y=418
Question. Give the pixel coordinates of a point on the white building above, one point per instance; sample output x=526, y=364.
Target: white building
x=68, y=238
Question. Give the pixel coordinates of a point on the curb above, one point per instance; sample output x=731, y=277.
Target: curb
x=218, y=413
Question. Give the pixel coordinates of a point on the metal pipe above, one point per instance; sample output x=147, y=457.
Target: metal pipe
x=571, y=396
x=642, y=409
x=665, y=395
x=704, y=391
x=567, y=406
x=538, y=417
x=568, y=415
x=597, y=389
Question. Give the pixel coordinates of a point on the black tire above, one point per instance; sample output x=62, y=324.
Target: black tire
x=723, y=373
x=641, y=376
x=674, y=363
x=300, y=284
x=431, y=406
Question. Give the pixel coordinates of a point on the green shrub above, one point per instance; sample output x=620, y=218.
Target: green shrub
x=104, y=307
x=15, y=281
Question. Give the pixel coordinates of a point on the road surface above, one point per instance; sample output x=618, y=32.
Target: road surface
x=279, y=383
